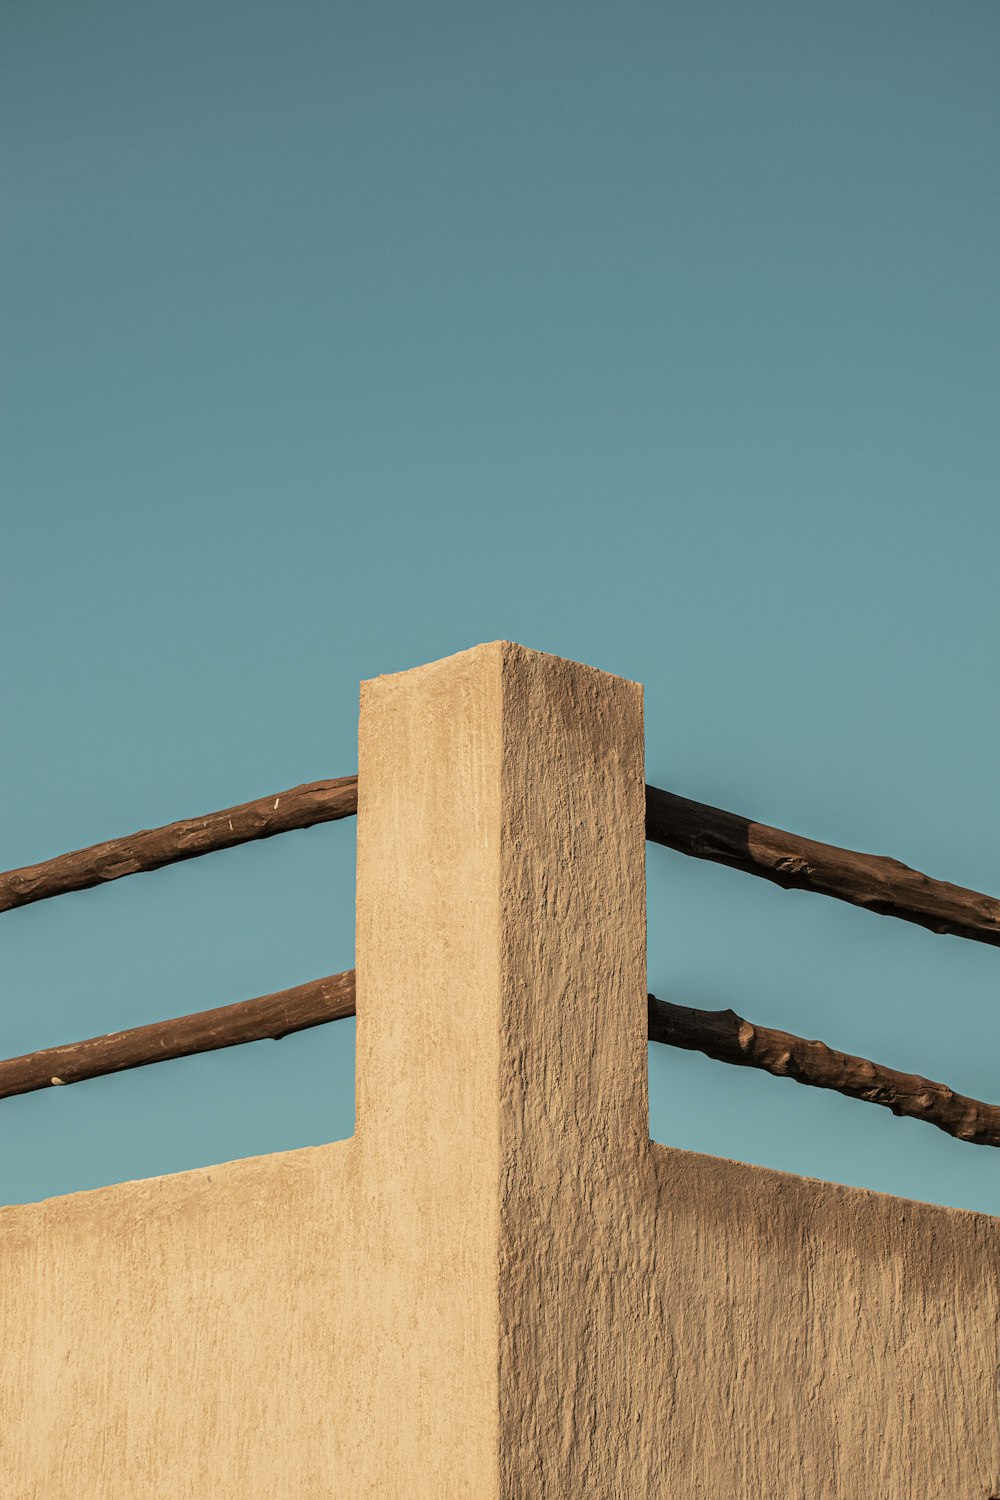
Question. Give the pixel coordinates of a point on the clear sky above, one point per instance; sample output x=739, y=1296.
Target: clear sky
x=340, y=337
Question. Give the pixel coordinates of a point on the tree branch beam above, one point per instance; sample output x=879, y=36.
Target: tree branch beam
x=873, y=881
x=727, y=1037
x=268, y=1017
x=152, y=848
x=720, y=1034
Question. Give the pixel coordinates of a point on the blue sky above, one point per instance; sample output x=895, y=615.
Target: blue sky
x=340, y=337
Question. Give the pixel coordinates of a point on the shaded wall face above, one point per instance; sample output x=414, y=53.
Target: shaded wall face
x=811, y=1341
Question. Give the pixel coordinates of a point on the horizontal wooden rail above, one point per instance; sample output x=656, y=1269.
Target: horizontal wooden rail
x=871, y=881
x=727, y=1037
x=720, y=1034
x=150, y=849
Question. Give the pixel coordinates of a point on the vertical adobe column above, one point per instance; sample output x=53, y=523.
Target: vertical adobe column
x=501, y=1066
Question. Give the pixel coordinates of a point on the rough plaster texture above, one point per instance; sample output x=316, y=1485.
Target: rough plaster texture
x=498, y=1289
x=501, y=986
x=187, y=1336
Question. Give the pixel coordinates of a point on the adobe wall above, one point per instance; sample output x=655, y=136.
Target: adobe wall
x=818, y=1341
x=499, y=1289
x=189, y=1336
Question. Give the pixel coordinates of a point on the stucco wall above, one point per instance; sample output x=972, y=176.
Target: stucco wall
x=811, y=1341
x=187, y=1336
x=197, y=1336
x=499, y=1289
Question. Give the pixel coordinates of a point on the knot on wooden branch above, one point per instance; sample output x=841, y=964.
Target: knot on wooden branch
x=726, y=1037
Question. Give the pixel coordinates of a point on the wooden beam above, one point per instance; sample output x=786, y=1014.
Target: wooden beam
x=720, y=1034
x=150, y=849
x=873, y=881
x=727, y=1037
x=269, y=1017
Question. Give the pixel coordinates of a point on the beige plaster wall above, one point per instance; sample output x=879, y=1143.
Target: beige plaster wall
x=499, y=1289
x=190, y=1336
x=805, y=1340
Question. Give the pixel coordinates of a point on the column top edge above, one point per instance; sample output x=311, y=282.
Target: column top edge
x=500, y=651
